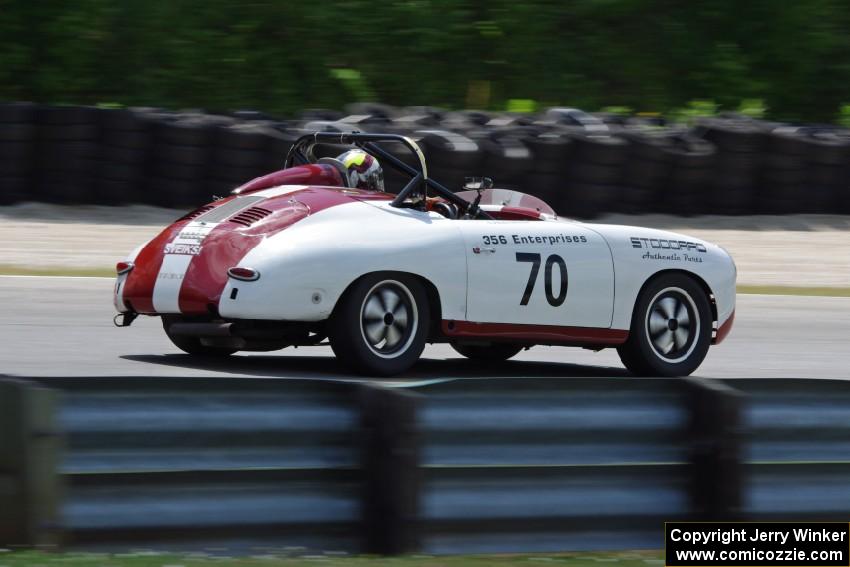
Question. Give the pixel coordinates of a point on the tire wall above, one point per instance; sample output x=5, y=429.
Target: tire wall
x=583, y=164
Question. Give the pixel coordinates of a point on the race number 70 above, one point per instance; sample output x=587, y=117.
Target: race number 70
x=553, y=260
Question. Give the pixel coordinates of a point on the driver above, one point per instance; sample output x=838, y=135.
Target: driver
x=364, y=171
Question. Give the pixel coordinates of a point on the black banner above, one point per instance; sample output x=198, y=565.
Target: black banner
x=761, y=544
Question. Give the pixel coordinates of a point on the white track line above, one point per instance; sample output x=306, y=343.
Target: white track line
x=59, y=277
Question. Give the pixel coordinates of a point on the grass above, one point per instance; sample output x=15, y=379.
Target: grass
x=795, y=290
x=154, y=559
x=13, y=270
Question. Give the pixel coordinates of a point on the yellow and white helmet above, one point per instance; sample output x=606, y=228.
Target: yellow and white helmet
x=364, y=171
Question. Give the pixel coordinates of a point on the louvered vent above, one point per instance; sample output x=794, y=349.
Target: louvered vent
x=250, y=216
x=196, y=213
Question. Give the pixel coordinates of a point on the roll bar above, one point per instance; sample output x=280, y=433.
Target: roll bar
x=419, y=182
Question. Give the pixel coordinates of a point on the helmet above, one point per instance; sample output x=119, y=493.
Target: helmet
x=364, y=171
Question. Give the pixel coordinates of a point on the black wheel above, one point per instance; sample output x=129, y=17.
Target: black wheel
x=193, y=345
x=492, y=351
x=380, y=325
x=671, y=328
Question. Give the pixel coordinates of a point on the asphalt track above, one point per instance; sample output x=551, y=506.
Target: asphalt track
x=63, y=327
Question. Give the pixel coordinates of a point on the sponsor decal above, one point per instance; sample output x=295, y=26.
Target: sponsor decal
x=551, y=240
x=664, y=244
x=196, y=235
x=674, y=257
x=190, y=249
x=169, y=276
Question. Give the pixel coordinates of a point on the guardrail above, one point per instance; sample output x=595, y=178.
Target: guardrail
x=462, y=466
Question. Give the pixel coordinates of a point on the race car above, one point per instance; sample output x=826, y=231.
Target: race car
x=298, y=257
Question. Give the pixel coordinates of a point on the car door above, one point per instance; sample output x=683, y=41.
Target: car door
x=537, y=273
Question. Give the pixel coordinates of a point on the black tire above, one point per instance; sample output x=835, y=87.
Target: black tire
x=67, y=115
x=192, y=345
x=451, y=150
x=124, y=156
x=493, y=352
x=595, y=174
x=17, y=132
x=588, y=200
x=683, y=299
x=189, y=132
x=184, y=155
x=69, y=132
x=733, y=135
x=17, y=112
x=239, y=158
x=180, y=171
x=120, y=119
x=133, y=140
x=10, y=168
x=602, y=150
x=379, y=326
x=547, y=186
x=14, y=189
x=244, y=137
x=166, y=192
x=550, y=151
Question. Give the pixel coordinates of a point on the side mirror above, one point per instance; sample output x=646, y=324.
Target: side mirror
x=477, y=183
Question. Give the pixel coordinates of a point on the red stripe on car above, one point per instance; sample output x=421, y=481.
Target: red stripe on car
x=539, y=334
x=138, y=289
x=228, y=243
x=723, y=330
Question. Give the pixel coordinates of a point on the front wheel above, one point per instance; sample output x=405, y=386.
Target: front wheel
x=380, y=325
x=671, y=328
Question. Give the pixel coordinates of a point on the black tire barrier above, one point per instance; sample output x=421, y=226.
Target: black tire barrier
x=17, y=150
x=549, y=186
x=740, y=146
x=311, y=114
x=451, y=156
x=18, y=113
x=377, y=111
x=549, y=149
x=13, y=189
x=126, y=142
x=647, y=169
x=413, y=117
x=594, y=174
x=691, y=174
x=583, y=164
x=505, y=157
x=67, y=149
x=11, y=132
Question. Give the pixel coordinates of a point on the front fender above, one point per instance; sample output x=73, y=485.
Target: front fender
x=641, y=253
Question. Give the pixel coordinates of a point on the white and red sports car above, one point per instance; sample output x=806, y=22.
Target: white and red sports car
x=296, y=257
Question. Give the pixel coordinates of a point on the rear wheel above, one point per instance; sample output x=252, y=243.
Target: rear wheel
x=380, y=325
x=493, y=351
x=671, y=328
x=192, y=345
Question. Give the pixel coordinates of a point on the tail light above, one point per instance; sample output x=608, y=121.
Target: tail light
x=244, y=274
x=124, y=267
